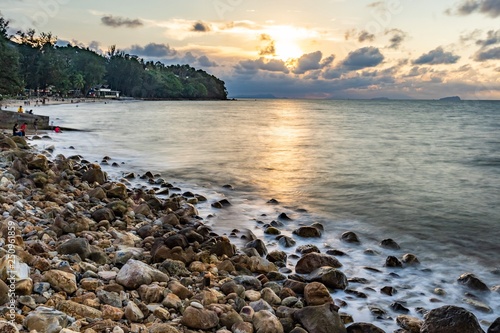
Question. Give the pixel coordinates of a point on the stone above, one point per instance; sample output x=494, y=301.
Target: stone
x=409, y=323
x=389, y=244
x=223, y=247
x=330, y=277
x=350, y=237
x=363, y=328
x=261, y=265
x=312, y=261
x=103, y=214
x=180, y=290
x=307, y=232
x=61, y=281
x=39, y=163
x=133, y=313
x=136, y=273
x=242, y=327
x=201, y=319
x=270, y=296
x=473, y=282
x=151, y=293
x=316, y=293
x=286, y=241
x=248, y=282
x=162, y=328
x=320, y=319
x=259, y=245
x=495, y=326
x=392, y=261
x=4, y=293
x=109, y=297
x=111, y=312
x=79, y=246
x=410, y=259
x=46, y=320
x=450, y=319
x=78, y=310
x=95, y=175
x=266, y=322
x=172, y=301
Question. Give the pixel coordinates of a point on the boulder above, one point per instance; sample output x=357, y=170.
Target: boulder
x=200, y=319
x=495, y=326
x=266, y=322
x=311, y=261
x=316, y=293
x=61, y=281
x=409, y=323
x=473, y=282
x=363, y=328
x=103, y=214
x=94, y=175
x=78, y=246
x=350, y=237
x=78, y=310
x=330, y=277
x=389, y=244
x=450, y=319
x=320, y=319
x=46, y=320
x=307, y=232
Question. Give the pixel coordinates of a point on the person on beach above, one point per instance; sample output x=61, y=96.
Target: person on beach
x=57, y=129
x=23, y=129
x=15, y=131
x=35, y=126
x=20, y=109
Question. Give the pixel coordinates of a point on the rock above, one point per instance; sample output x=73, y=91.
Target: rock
x=410, y=259
x=162, y=328
x=97, y=193
x=350, y=237
x=330, y=277
x=286, y=241
x=223, y=247
x=248, y=282
x=316, y=293
x=78, y=310
x=180, y=290
x=259, y=245
x=61, y=281
x=95, y=175
x=270, y=296
x=389, y=244
x=118, y=191
x=4, y=293
x=473, y=282
x=39, y=163
x=450, y=319
x=46, y=320
x=409, y=323
x=308, y=248
x=307, y=232
x=201, y=319
x=111, y=312
x=261, y=265
x=363, y=328
x=133, y=313
x=242, y=327
x=103, y=214
x=151, y=293
x=136, y=273
x=175, y=268
x=495, y=326
x=311, y=261
x=392, y=261
x=266, y=322
x=79, y=246
x=320, y=319
x=110, y=298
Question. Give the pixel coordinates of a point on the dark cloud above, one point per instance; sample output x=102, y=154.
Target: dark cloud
x=491, y=54
x=308, y=62
x=116, y=22
x=153, y=50
x=269, y=48
x=201, y=27
x=488, y=7
x=362, y=36
x=467, y=37
x=493, y=37
x=436, y=57
x=250, y=67
x=398, y=36
x=362, y=58
x=205, y=62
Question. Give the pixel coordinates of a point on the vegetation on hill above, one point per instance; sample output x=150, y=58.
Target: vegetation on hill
x=33, y=61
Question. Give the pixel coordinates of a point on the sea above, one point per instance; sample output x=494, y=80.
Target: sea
x=423, y=173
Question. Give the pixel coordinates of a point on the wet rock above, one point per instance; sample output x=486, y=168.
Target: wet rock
x=316, y=293
x=259, y=245
x=307, y=232
x=392, y=261
x=201, y=319
x=495, y=326
x=175, y=267
x=103, y=214
x=398, y=307
x=330, y=277
x=223, y=247
x=450, y=319
x=308, y=248
x=117, y=191
x=350, y=237
x=296, y=286
x=95, y=175
x=363, y=328
x=312, y=261
x=261, y=265
x=388, y=290
x=221, y=204
x=409, y=323
x=389, y=244
x=410, y=259
x=473, y=282
x=286, y=241
x=248, y=282
x=478, y=305
x=270, y=296
x=39, y=163
x=320, y=319
x=136, y=273
x=97, y=193
x=266, y=322
x=242, y=327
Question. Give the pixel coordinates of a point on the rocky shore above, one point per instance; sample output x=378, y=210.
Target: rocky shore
x=82, y=253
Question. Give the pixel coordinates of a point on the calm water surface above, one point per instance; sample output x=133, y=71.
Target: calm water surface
x=425, y=173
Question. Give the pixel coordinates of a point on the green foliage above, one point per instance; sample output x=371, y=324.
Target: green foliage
x=33, y=61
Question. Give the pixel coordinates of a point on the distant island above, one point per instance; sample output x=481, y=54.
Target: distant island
x=256, y=96
x=451, y=99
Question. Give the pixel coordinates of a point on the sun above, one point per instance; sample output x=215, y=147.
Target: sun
x=286, y=42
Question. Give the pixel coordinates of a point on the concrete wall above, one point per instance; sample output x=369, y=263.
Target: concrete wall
x=9, y=118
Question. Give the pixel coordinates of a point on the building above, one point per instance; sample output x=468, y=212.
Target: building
x=103, y=91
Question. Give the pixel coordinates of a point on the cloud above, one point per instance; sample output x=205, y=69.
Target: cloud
x=361, y=58
x=398, y=36
x=493, y=37
x=269, y=48
x=491, y=54
x=490, y=8
x=205, y=62
x=308, y=62
x=362, y=36
x=201, y=27
x=116, y=22
x=153, y=50
x=250, y=67
x=436, y=57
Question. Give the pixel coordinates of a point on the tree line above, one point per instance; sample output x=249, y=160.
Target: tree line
x=33, y=61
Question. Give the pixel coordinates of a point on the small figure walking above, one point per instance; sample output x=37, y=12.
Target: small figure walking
x=23, y=129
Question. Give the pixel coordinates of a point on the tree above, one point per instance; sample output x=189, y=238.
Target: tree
x=10, y=81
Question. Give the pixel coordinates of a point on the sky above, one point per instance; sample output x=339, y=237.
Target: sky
x=422, y=49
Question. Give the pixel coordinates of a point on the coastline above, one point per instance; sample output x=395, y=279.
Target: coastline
x=139, y=234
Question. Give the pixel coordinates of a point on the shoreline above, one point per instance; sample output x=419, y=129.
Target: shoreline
x=257, y=266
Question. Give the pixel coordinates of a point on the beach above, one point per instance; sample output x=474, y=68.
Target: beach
x=84, y=230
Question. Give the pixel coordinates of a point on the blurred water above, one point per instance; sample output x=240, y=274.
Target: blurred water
x=425, y=173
